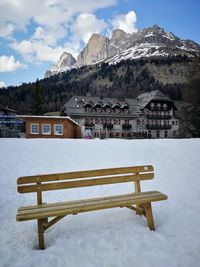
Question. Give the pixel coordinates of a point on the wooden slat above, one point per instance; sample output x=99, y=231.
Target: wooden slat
x=74, y=202
x=83, y=174
x=83, y=183
x=22, y=210
x=86, y=205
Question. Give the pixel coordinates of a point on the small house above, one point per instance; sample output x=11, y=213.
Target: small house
x=50, y=127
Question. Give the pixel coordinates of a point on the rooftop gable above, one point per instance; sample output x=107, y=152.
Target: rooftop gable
x=46, y=117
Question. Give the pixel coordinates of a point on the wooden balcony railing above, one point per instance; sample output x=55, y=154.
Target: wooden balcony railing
x=159, y=117
x=158, y=127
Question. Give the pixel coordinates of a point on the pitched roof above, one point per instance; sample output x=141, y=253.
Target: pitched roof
x=47, y=117
x=145, y=98
x=75, y=103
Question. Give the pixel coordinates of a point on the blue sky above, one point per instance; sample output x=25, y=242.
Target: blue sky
x=34, y=33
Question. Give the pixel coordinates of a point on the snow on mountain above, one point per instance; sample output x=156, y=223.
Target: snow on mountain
x=150, y=42
x=65, y=62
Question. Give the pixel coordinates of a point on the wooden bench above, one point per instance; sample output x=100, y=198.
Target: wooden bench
x=138, y=201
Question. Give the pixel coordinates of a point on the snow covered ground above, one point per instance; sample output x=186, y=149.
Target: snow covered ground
x=108, y=238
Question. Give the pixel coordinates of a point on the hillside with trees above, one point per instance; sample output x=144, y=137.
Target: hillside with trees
x=126, y=79
x=191, y=97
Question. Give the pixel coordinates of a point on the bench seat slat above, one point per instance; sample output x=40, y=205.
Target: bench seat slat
x=27, y=209
x=83, y=174
x=74, y=207
x=78, y=201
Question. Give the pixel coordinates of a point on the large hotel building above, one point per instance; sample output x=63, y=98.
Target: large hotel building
x=150, y=115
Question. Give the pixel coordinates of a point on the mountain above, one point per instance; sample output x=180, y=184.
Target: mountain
x=65, y=62
x=151, y=42
x=124, y=66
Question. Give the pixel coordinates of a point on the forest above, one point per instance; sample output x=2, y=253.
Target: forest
x=127, y=79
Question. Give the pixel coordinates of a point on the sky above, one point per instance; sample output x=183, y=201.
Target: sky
x=34, y=33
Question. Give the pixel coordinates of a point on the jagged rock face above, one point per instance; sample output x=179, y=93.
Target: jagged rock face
x=150, y=42
x=118, y=41
x=95, y=50
x=119, y=38
x=65, y=62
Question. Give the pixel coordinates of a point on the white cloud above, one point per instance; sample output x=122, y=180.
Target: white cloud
x=2, y=84
x=85, y=25
x=126, y=22
x=37, y=51
x=6, y=29
x=8, y=64
x=50, y=14
x=55, y=19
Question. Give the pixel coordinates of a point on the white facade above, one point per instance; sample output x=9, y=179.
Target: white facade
x=151, y=115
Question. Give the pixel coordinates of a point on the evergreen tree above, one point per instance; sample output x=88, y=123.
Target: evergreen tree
x=191, y=109
x=37, y=99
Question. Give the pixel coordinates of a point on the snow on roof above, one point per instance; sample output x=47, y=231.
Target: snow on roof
x=47, y=117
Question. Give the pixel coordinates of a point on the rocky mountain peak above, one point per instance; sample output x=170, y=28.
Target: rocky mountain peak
x=117, y=33
x=94, y=51
x=150, y=42
x=95, y=36
x=65, y=62
x=119, y=36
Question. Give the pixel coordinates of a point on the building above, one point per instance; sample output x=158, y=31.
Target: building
x=151, y=115
x=50, y=127
x=10, y=125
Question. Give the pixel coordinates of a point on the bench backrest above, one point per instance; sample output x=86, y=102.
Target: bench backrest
x=48, y=182
x=57, y=181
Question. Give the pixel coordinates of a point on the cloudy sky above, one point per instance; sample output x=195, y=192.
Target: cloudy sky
x=34, y=33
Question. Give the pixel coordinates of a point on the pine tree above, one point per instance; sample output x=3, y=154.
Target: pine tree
x=37, y=99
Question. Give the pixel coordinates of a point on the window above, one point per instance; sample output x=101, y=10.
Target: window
x=58, y=129
x=34, y=128
x=46, y=129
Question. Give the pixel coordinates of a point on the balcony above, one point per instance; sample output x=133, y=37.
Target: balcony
x=89, y=124
x=126, y=126
x=159, y=117
x=160, y=108
x=108, y=126
x=158, y=127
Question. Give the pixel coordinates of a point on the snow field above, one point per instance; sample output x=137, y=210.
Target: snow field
x=114, y=237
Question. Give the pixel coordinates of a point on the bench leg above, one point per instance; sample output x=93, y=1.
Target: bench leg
x=149, y=216
x=41, y=233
